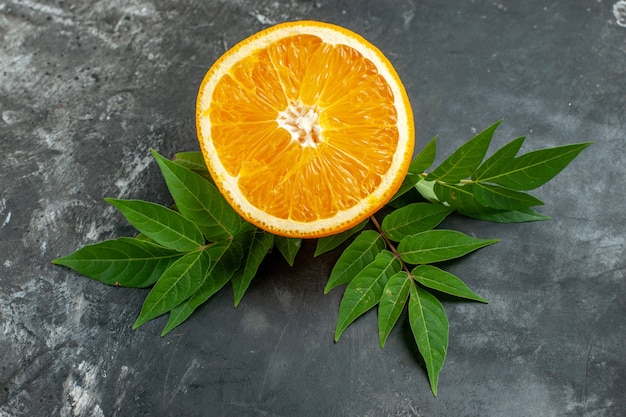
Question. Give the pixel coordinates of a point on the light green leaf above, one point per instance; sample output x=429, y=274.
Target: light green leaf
x=256, y=245
x=440, y=280
x=464, y=161
x=225, y=259
x=461, y=198
x=177, y=283
x=144, y=238
x=438, y=245
x=125, y=261
x=191, y=160
x=354, y=258
x=164, y=226
x=328, y=243
x=498, y=162
x=288, y=247
x=412, y=219
x=533, y=169
x=392, y=302
x=365, y=290
x=494, y=196
x=426, y=189
x=421, y=163
x=430, y=327
x=199, y=201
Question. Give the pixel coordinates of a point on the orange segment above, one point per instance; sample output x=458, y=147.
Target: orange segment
x=306, y=128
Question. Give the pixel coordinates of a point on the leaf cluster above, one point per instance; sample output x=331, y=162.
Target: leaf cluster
x=185, y=254
x=188, y=252
x=398, y=264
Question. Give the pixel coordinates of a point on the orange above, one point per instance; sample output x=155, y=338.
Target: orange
x=305, y=128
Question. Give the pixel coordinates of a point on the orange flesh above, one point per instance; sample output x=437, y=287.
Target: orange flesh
x=304, y=140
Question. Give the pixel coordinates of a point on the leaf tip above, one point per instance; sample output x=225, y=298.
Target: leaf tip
x=140, y=321
x=382, y=342
x=338, y=333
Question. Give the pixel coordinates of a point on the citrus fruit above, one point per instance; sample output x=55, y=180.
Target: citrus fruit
x=305, y=128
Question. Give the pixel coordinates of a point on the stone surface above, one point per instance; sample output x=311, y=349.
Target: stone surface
x=88, y=87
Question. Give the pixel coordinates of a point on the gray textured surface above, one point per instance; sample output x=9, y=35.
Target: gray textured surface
x=86, y=88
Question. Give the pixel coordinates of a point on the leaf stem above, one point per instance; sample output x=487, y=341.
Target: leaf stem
x=390, y=245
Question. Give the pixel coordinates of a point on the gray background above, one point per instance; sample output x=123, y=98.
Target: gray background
x=88, y=87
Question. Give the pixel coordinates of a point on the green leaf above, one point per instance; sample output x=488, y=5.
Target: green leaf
x=498, y=162
x=176, y=284
x=392, y=302
x=438, y=245
x=512, y=216
x=464, y=161
x=354, y=258
x=255, y=247
x=365, y=290
x=225, y=259
x=494, y=196
x=191, y=160
x=412, y=219
x=144, y=238
x=125, y=261
x=288, y=247
x=328, y=243
x=199, y=201
x=421, y=163
x=429, y=324
x=461, y=198
x=533, y=169
x=164, y=226
x=440, y=280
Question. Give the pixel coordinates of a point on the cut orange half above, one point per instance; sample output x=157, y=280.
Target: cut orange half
x=305, y=128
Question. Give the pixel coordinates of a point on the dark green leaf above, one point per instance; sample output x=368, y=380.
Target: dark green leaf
x=494, y=196
x=440, y=280
x=392, y=302
x=412, y=219
x=438, y=245
x=199, y=201
x=164, y=226
x=464, y=161
x=177, y=283
x=421, y=163
x=125, y=261
x=354, y=258
x=225, y=259
x=288, y=247
x=255, y=247
x=328, y=243
x=498, y=162
x=365, y=290
x=534, y=169
x=429, y=324
x=461, y=198
x=513, y=216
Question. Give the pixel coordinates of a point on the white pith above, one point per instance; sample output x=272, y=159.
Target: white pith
x=302, y=123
